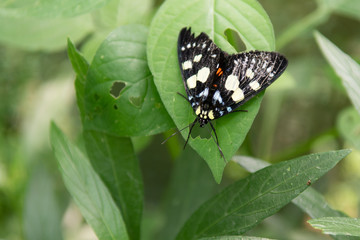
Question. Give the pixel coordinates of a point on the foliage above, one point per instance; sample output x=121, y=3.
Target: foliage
x=108, y=157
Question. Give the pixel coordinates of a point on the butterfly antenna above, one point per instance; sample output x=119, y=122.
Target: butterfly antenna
x=178, y=131
x=216, y=141
x=191, y=127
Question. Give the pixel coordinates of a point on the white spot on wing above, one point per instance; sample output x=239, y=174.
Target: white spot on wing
x=254, y=85
x=238, y=95
x=197, y=58
x=232, y=83
x=268, y=69
x=187, y=65
x=189, y=45
x=211, y=114
x=249, y=73
x=204, y=45
x=194, y=44
x=213, y=56
x=182, y=48
x=198, y=111
x=203, y=74
x=191, y=82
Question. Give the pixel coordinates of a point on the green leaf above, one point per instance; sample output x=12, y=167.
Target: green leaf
x=190, y=186
x=42, y=210
x=87, y=189
x=39, y=34
x=120, y=96
x=345, y=67
x=245, y=203
x=310, y=201
x=350, y=8
x=81, y=67
x=246, y=17
x=348, y=124
x=337, y=225
x=114, y=160
x=234, y=238
x=50, y=9
x=122, y=12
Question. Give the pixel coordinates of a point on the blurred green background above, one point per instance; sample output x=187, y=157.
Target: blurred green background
x=300, y=115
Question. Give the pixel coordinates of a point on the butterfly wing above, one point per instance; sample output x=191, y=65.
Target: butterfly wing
x=198, y=59
x=244, y=76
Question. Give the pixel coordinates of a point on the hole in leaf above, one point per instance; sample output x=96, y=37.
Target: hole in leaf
x=116, y=89
x=136, y=101
x=202, y=132
x=235, y=40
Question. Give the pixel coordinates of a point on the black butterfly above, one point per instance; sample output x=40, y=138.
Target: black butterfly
x=216, y=82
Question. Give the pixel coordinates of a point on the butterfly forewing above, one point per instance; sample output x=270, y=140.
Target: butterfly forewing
x=198, y=60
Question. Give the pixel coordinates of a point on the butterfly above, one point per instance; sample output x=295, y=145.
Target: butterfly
x=217, y=83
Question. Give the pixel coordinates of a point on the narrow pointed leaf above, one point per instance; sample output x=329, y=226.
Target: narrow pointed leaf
x=337, y=225
x=81, y=67
x=345, y=67
x=246, y=17
x=87, y=189
x=247, y=202
x=114, y=160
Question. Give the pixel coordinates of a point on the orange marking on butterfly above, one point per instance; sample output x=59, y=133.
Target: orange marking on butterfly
x=215, y=85
x=219, y=72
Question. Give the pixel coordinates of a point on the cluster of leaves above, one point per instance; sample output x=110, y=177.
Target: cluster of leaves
x=129, y=91
x=117, y=100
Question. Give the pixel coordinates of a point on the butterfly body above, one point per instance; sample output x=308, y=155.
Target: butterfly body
x=216, y=82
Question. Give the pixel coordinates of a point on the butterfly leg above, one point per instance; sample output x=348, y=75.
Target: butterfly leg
x=217, y=141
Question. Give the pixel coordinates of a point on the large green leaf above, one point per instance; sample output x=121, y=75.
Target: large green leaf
x=245, y=203
x=310, y=201
x=87, y=189
x=38, y=34
x=247, y=18
x=345, y=67
x=337, y=225
x=120, y=96
x=114, y=160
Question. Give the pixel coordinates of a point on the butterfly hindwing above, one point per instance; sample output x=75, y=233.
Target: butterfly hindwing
x=244, y=76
